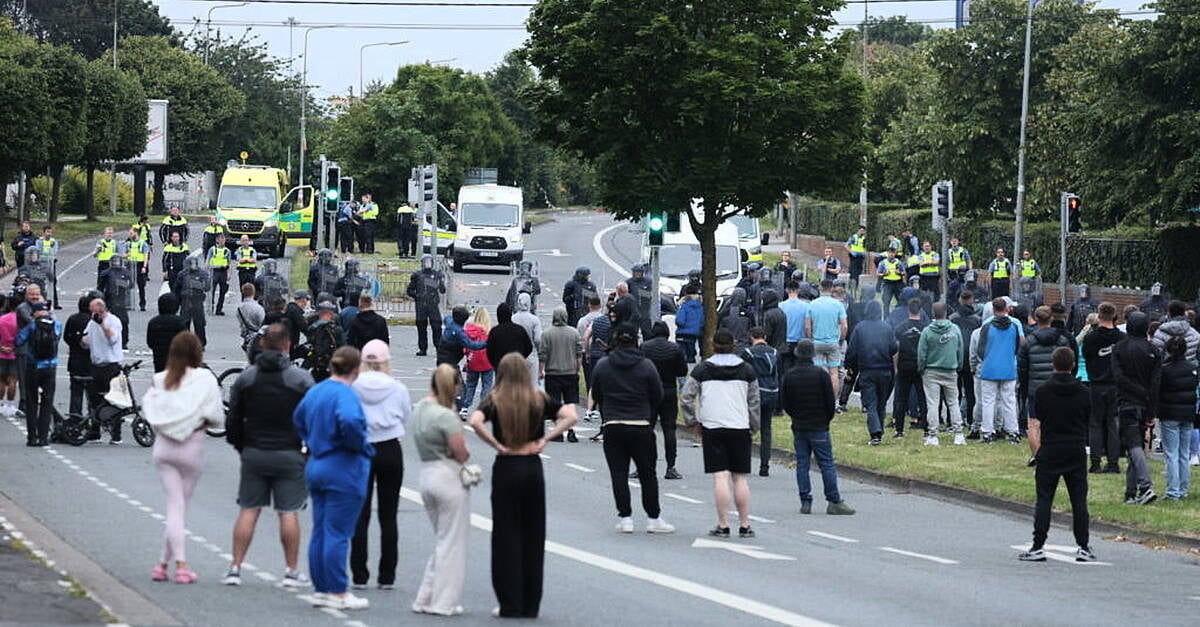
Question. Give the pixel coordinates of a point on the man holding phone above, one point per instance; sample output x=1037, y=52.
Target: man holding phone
x=102, y=337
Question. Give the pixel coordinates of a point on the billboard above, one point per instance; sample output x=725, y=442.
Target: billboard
x=156, y=135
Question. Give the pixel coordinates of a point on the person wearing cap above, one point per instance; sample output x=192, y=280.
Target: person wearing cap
x=367, y=325
x=387, y=406
x=806, y=395
x=726, y=422
x=627, y=388
x=41, y=369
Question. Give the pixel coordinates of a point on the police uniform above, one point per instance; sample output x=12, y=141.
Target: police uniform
x=217, y=260
x=1029, y=268
x=857, y=246
x=370, y=217
x=891, y=278
x=143, y=231
x=270, y=285
x=192, y=285
x=406, y=230
x=105, y=249
x=426, y=287
x=830, y=267
x=171, y=224
x=247, y=264
x=322, y=277
x=173, y=258
x=209, y=238
x=117, y=285
x=48, y=250
x=137, y=253
x=931, y=273
x=345, y=227
x=1001, y=271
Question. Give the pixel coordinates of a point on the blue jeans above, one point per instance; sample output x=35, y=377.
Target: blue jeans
x=688, y=344
x=1177, y=445
x=1195, y=442
x=875, y=386
x=481, y=379
x=817, y=444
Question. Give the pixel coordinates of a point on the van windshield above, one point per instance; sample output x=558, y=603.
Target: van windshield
x=247, y=197
x=747, y=227
x=676, y=260
x=490, y=214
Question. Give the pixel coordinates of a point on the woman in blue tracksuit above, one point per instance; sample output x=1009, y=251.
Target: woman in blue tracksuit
x=331, y=423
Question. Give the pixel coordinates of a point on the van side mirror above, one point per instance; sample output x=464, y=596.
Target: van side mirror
x=527, y=228
x=765, y=239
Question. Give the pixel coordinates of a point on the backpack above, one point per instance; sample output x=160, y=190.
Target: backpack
x=322, y=341
x=766, y=367
x=44, y=340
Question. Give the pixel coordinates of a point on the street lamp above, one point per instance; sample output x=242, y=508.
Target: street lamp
x=304, y=99
x=1019, y=212
x=360, y=60
x=208, y=24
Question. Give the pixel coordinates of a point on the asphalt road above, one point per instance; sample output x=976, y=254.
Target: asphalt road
x=903, y=560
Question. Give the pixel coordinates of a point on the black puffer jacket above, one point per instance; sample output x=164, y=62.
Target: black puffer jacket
x=261, y=403
x=908, y=334
x=1033, y=360
x=668, y=359
x=1137, y=367
x=1177, y=391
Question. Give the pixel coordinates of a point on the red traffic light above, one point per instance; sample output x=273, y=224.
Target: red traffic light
x=1073, y=203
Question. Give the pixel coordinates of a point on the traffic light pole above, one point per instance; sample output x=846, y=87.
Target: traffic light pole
x=1062, y=247
x=945, y=254
x=656, y=297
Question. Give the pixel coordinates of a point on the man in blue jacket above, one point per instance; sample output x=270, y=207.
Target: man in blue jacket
x=870, y=354
x=689, y=324
x=41, y=363
x=999, y=341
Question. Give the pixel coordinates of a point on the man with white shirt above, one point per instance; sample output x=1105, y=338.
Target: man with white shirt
x=103, y=340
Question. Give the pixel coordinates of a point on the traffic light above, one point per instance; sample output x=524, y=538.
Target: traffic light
x=656, y=223
x=428, y=184
x=1074, y=214
x=941, y=199
x=333, y=191
x=347, y=189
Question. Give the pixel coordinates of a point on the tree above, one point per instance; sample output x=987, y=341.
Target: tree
x=116, y=121
x=25, y=109
x=896, y=30
x=85, y=26
x=731, y=101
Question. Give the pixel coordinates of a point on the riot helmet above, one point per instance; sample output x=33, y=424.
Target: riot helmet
x=764, y=275
x=639, y=270
x=694, y=275
x=325, y=256
x=426, y=262
x=270, y=266
x=352, y=266
x=1084, y=290
x=1155, y=290
x=32, y=255
x=117, y=261
x=193, y=262
x=582, y=273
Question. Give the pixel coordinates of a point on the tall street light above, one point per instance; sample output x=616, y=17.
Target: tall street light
x=1019, y=213
x=304, y=99
x=208, y=24
x=360, y=60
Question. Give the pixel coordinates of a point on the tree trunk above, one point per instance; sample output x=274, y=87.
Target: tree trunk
x=89, y=203
x=706, y=234
x=55, y=190
x=160, y=184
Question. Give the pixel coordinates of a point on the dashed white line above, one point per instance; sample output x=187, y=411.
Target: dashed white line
x=830, y=536
x=635, y=485
x=579, y=468
x=265, y=576
x=333, y=612
x=685, y=499
x=932, y=558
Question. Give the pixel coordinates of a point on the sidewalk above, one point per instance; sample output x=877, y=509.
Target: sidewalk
x=31, y=592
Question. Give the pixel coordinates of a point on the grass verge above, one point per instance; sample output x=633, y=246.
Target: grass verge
x=998, y=470
x=69, y=229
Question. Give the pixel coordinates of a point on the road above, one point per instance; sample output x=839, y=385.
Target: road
x=904, y=559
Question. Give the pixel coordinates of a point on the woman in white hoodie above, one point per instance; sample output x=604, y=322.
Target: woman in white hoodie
x=182, y=401
x=387, y=406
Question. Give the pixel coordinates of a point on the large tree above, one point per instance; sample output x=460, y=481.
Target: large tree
x=116, y=121
x=85, y=26
x=731, y=101
x=23, y=85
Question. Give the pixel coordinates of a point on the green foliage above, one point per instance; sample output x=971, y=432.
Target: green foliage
x=116, y=114
x=896, y=30
x=86, y=26
x=24, y=108
x=74, y=192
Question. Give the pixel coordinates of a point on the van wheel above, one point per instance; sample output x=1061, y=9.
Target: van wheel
x=457, y=264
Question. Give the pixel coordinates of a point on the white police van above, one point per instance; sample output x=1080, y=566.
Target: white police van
x=680, y=254
x=489, y=226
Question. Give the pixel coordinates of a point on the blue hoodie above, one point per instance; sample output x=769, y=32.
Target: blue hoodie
x=999, y=341
x=899, y=313
x=330, y=420
x=873, y=343
x=689, y=320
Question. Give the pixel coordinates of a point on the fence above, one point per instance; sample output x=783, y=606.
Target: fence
x=391, y=276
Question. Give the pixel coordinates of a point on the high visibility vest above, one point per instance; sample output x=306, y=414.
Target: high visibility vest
x=1002, y=266
x=175, y=248
x=173, y=221
x=1028, y=267
x=138, y=250
x=370, y=211
x=143, y=230
x=106, y=249
x=930, y=270
x=404, y=215
x=891, y=270
x=858, y=244
x=220, y=257
x=958, y=258
x=247, y=257
x=215, y=229
x=46, y=247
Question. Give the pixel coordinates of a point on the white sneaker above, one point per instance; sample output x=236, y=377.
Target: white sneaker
x=658, y=525
x=625, y=525
x=1195, y=460
x=341, y=602
x=959, y=439
x=932, y=440
x=294, y=579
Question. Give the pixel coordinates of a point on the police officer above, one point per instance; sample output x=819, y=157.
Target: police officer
x=192, y=286
x=346, y=224
x=137, y=254
x=173, y=223
x=270, y=285
x=641, y=290
x=1028, y=267
x=34, y=271
x=105, y=249
x=1028, y=295
x=24, y=240
x=247, y=261
x=1086, y=304
x=210, y=233
x=142, y=226
x=758, y=292
x=830, y=266
x=406, y=231
x=425, y=288
x=1001, y=270
x=694, y=285
x=117, y=285
x=47, y=248
x=576, y=294
x=959, y=261
x=931, y=271
x=322, y=275
x=174, y=257
x=891, y=279
x=786, y=266
x=352, y=284
x=524, y=282
x=857, y=246
x=370, y=218
x=1155, y=307
x=217, y=260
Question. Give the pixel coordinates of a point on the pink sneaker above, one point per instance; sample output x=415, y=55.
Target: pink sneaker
x=183, y=575
x=159, y=573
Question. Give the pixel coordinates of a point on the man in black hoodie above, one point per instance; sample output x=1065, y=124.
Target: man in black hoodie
x=669, y=361
x=507, y=337
x=870, y=355
x=1059, y=436
x=628, y=390
x=908, y=377
x=163, y=328
x=367, y=325
x=807, y=396
x=79, y=364
x=1105, y=434
x=967, y=319
x=1137, y=371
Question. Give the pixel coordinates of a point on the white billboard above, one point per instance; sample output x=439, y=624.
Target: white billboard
x=156, y=135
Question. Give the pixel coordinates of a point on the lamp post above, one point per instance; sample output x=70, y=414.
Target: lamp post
x=208, y=24
x=1019, y=212
x=304, y=99
x=360, y=60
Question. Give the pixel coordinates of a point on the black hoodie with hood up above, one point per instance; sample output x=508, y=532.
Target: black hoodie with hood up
x=626, y=386
x=1137, y=367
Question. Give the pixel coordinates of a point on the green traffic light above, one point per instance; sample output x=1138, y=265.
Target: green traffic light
x=656, y=223
x=332, y=194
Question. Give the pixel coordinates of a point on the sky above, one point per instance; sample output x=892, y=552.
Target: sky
x=471, y=38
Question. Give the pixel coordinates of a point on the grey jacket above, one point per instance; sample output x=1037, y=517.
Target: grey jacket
x=560, y=346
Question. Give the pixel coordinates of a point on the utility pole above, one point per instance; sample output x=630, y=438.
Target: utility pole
x=862, y=191
x=304, y=102
x=1019, y=229
x=208, y=24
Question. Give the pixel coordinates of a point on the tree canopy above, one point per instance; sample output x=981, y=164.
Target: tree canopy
x=85, y=26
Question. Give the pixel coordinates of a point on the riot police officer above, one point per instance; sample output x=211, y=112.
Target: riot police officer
x=34, y=271
x=525, y=281
x=117, y=284
x=352, y=284
x=577, y=292
x=322, y=275
x=192, y=285
x=1086, y=304
x=764, y=285
x=1155, y=307
x=425, y=288
x=694, y=285
x=1028, y=294
x=641, y=289
x=270, y=285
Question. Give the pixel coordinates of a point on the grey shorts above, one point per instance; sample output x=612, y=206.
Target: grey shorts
x=8, y=367
x=827, y=355
x=272, y=477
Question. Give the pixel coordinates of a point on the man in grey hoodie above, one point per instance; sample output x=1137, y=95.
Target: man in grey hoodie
x=1177, y=325
x=560, y=351
x=526, y=319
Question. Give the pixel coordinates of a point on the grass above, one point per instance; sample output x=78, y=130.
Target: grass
x=998, y=470
x=69, y=229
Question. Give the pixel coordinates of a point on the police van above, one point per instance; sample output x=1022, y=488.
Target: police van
x=680, y=254
x=490, y=226
x=751, y=239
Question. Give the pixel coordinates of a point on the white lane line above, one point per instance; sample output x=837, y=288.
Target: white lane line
x=579, y=468
x=678, y=584
x=635, y=485
x=1052, y=552
x=598, y=246
x=733, y=512
x=334, y=613
x=830, y=536
x=157, y=516
x=544, y=456
x=685, y=499
x=932, y=558
x=265, y=576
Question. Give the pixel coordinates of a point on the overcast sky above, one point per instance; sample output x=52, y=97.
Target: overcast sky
x=334, y=53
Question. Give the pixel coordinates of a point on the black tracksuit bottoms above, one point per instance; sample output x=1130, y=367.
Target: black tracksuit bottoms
x=518, y=534
x=387, y=473
x=1071, y=465
x=623, y=443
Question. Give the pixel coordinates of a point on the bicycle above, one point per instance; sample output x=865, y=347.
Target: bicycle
x=76, y=427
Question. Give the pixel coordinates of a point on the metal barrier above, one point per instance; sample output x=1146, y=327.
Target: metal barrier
x=391, y=276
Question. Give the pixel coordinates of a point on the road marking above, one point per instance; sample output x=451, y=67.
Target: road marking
x=544, y=456
x=579, y=468
x=748, y=550
x=830, y=536
x=598, y=246
x=733, y=512
x=932, y=558
x=678, y=584
x=635, y=485
x=1052, y=553
x=333, y=612
x=685, y=499
x=265, y=576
